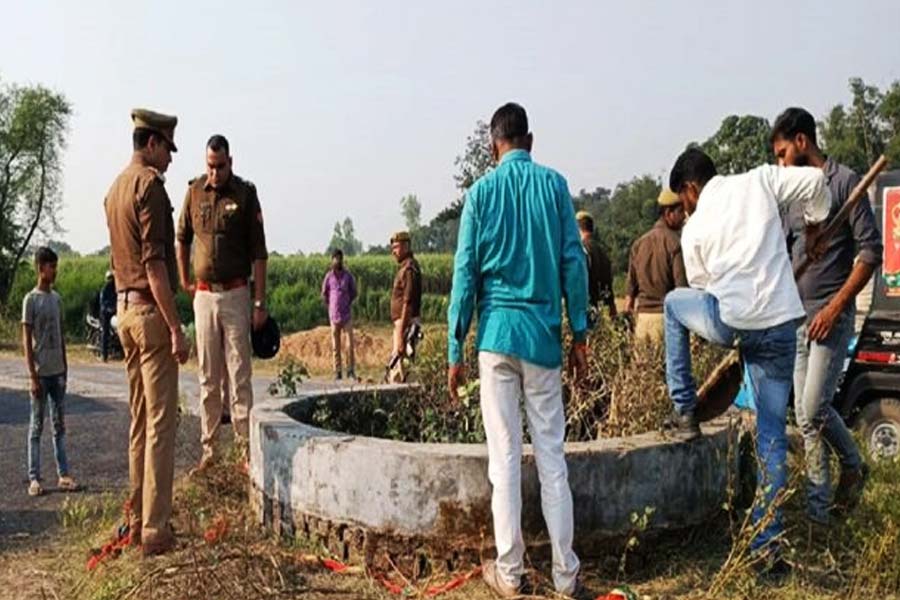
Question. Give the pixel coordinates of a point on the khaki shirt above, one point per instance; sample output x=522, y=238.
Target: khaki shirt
x=655, y=267
x=139, y=217
x=407, y=290
x=227, y=225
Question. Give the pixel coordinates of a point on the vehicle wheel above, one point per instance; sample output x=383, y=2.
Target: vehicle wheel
x=879, y=423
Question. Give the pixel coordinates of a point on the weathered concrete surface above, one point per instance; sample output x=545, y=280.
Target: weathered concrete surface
x=327, y=482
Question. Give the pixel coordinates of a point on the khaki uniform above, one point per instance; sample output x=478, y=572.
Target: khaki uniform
x=655, y=267
x=224, y=225
x=139, y=217
x=406, y=292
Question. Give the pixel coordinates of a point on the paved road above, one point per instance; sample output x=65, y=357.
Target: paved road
x=96, y=439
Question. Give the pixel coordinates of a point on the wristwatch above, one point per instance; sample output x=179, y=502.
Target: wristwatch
x=259, y=305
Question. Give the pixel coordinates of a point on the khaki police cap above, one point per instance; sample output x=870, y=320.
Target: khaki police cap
x=400, y=236
x=164, y=125
x=667, y=198
x=583, y=215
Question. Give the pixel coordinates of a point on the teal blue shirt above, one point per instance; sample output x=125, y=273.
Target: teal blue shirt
x=518, y=254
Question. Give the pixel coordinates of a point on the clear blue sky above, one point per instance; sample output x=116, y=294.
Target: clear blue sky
x=340, y=108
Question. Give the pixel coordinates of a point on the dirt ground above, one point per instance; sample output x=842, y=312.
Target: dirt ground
x=313, y=349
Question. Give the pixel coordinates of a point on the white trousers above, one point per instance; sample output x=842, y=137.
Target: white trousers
x=505, y=382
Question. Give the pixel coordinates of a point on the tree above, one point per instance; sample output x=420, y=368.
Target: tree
x=344, y=238
x=857, y=135
x=33, y=126
x=476, y=160
x=412, y=212
x=740, y=144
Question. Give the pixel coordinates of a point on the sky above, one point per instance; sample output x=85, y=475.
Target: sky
x=340, y=108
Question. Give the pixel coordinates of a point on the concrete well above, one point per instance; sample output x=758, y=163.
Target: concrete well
x=362, y=495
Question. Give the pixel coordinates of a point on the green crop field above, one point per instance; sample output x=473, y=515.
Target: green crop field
x=293, y=296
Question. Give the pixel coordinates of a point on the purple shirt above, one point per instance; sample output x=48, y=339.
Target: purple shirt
x=338, y=291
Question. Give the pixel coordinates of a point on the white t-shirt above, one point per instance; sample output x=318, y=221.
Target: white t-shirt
x=734, y=245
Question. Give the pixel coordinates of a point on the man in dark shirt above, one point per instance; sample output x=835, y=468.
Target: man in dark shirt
x=600, y=277
x=828, y=290
x=108, y=301
x=655, y=268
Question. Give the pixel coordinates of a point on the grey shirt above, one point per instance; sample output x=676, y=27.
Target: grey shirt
x=43, y=312
x=859, y=235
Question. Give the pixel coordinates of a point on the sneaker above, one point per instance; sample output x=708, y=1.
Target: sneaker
x=774, y=568
x=850, y=489
x=337, y=376
x=34, y=488
x=581, y=592
x=493, y=580
x=67, y=484
x=683, y=426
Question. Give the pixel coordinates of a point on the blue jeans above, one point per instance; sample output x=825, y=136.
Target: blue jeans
x=53, y=392
x=819, y=366
x=768, y=356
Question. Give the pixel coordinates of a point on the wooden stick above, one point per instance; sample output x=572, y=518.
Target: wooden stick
x=858, y=192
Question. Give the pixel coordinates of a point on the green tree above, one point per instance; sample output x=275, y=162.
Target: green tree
x=33, y=126
x=476, y=160
x=412, y=212
x=858, y=134
x=740, y=144
x=344, y=238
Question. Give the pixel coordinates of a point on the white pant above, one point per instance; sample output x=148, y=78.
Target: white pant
x=505, y=381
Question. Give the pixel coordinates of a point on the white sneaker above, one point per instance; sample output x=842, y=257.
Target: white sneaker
x=34, y=488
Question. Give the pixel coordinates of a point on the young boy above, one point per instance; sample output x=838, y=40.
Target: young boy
x=45, y=356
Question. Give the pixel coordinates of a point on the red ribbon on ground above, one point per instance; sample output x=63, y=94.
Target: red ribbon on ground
x=397, y=589
x=114, y=548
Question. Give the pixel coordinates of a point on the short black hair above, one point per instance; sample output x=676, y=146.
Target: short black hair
x=337, y=252
x=510, y=122
x=141, y=137
x=791, y=122
x=693, y=165
x=45, y=256
x=217, y=143
x=586, y=225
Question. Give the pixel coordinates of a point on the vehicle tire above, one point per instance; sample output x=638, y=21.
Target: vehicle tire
x=879, y=425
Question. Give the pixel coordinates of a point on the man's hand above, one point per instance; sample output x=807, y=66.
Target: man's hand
x=816, y=244
x=260, y=316
x=578, y=362
x=456, y=377
x=822, y=324
x=180, y=348
x=36, y=389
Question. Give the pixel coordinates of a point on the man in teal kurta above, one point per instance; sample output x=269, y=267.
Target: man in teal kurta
x=518, y=256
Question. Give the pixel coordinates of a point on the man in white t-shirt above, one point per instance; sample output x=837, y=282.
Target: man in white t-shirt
x=742, y=294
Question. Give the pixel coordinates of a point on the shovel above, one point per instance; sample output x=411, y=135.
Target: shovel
x=718, y=391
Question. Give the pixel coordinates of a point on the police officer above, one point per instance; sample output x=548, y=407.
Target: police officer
x=221, y=217
x=142, y=252
x=655, y=268
x=406, y=299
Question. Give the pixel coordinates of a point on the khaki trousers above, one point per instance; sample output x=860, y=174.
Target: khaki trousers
x=336, y=329
x=222, y=321
x=153, y=402
x=649, y=326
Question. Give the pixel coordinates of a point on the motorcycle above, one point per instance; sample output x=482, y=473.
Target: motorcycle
x=94, y=333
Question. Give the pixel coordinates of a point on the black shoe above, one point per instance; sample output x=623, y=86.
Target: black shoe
x=337, y=376
x=226, y=418
x=773, y=569
x=683, y=426
x=849, y=490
